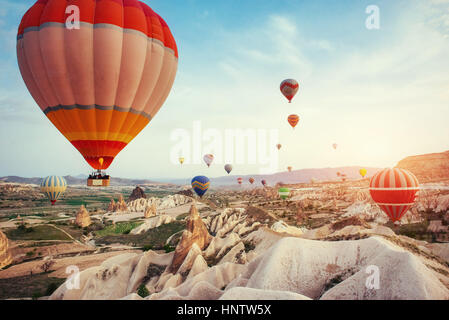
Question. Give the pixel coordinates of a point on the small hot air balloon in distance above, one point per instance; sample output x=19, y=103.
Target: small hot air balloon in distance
x=284, y=193
x=289, y=89
x=335, y=146
x=394, y=191
x=264, y=182
x=293, y=119
x=53, y=187
x=251, y=180
x=99, y=85
x=338, y=174
x=240, y=180
x=228, y=168
x=279, y=146
x=181, y=160
x=200, y=185
x=289, y=169
x=363, y=172
x=208, y=158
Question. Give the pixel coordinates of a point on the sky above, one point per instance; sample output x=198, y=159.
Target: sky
x=380, y=94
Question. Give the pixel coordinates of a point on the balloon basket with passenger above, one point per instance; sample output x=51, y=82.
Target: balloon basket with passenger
x=98, y=179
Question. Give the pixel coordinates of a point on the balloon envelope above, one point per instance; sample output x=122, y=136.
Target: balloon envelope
x=102, y=83
x=264, y=182
x=251, y=180
x=335, y=146
x=363, y=172
x=228, y=168
x=200, y=185
x=284, y=193
x=279, y=146
x=289, y=88
x=394, y=191
x=293, y=120
x=290, y=169
x=53, y=187
x=208, y=158
x=181, y=160
x=240, y=180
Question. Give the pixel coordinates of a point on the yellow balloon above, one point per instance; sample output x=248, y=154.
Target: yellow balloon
x=363, y=172
x=181, y=160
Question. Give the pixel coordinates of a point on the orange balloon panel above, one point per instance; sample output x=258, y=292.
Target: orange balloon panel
x=102, y=83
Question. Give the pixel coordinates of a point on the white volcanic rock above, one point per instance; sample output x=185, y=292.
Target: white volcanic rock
x=442, y=204
x=198, y=266
x=282, y=227
x=218, y=277
x=319, y=233
x=189, y=260
x=439, y=249
x=240, y=293
x=219, y=246
x=115, y=278
x=201, y=290
x=167, y=202
x=152, y=223
x=308, y=267
x=235, y=255
x=371, y=212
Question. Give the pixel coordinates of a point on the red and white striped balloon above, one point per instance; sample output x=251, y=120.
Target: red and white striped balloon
x=394, y=191
x=289, y=88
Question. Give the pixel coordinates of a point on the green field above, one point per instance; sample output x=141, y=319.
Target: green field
x=155, y=238
x=41, y=232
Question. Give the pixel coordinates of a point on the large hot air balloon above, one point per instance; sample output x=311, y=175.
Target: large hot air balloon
x=99, y=83
x=200, y=185
x=289, y=169
x=293, y=119
x=289, y=88
x=279, y=146
x=363, y=172
x=181, y=160
x=208, y=158
x=251, y=180
x=53, y=187
x=394, y=191
x=284, y=193
x=240, y=180
x=228, y=168
x=264, y=182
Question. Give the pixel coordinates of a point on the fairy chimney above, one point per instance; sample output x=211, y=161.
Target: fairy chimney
x=5, y=255
x=195, y=233
x=151, y=211
x=83, y=217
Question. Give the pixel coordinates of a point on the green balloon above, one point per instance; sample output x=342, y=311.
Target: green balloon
x=284, y=193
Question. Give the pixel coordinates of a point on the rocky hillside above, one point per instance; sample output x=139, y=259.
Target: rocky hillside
x=428, y=167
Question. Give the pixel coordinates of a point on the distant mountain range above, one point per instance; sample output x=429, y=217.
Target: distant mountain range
x=81, y=180
x=296, y=176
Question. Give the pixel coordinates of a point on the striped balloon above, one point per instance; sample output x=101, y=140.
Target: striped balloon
x=264, y=182
x=289, y=88
x=293, y=119
x=284, y=193
x=53, y=187
x=99, y=83
x=200, y=185
x=394, y=191
x=240, y=180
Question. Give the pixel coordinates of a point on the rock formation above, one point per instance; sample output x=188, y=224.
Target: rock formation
x=152, y=223
x=119, y=206
x=137, y=193
x=83, y=217
x=195, y=233
x=427, y=167
x=167, y=202
x=150, y=211
x=5, y=255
